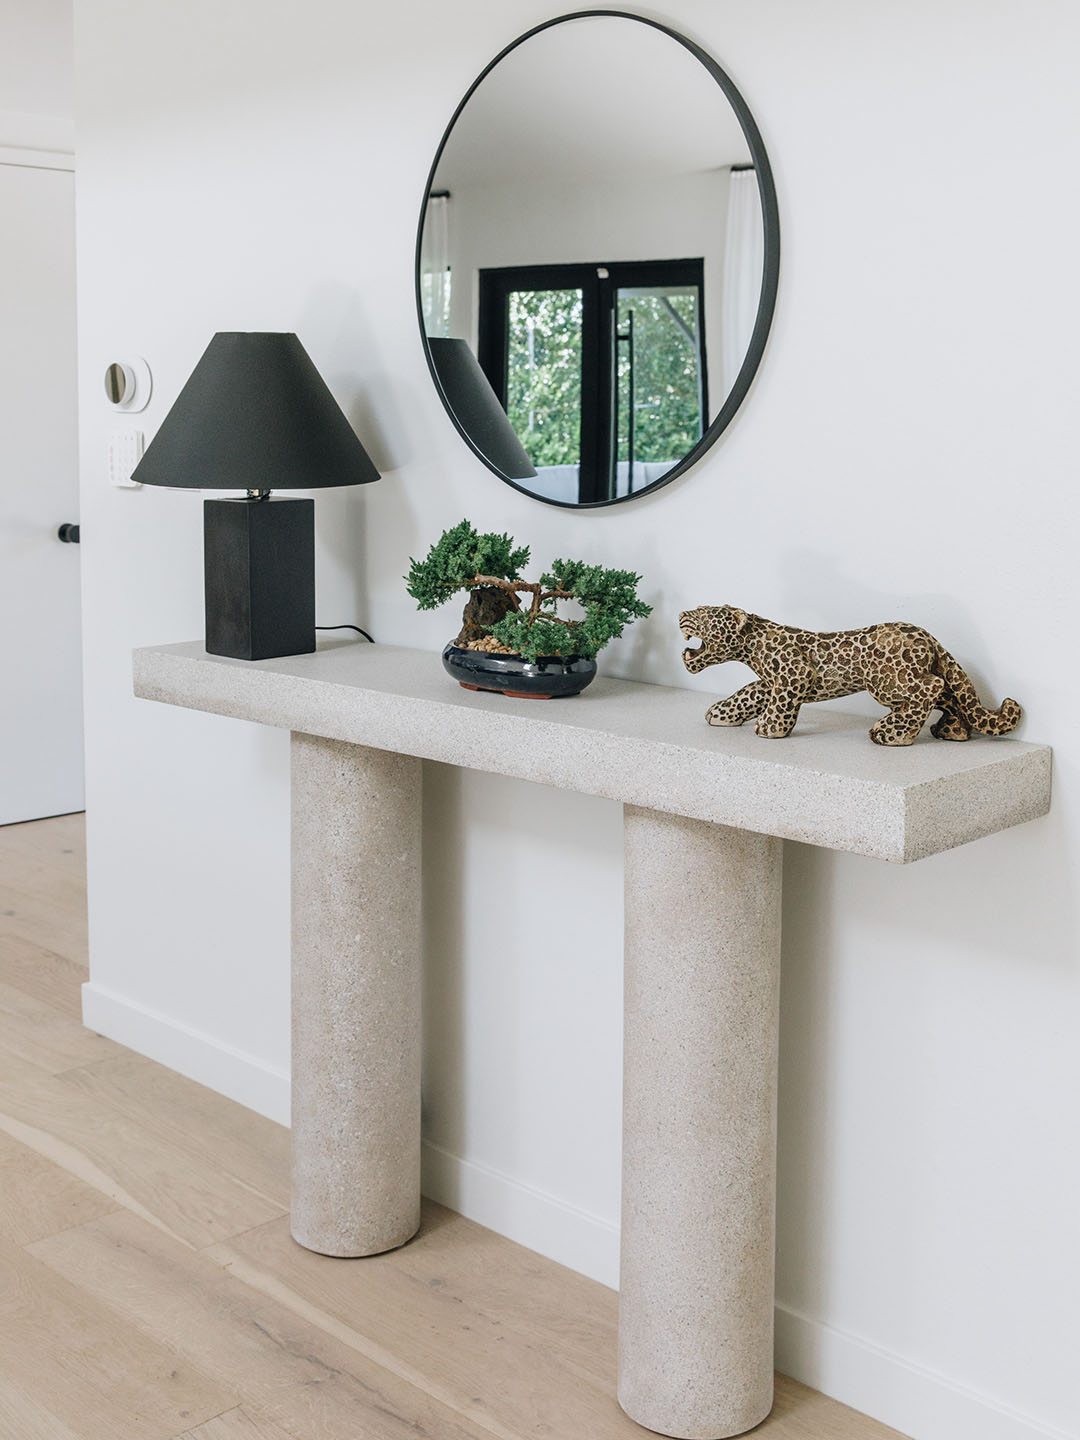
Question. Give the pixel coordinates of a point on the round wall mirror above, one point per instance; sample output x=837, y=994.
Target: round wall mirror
x=597, y=258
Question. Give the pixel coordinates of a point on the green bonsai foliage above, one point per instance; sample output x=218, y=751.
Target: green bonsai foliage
x=489, y=568
x=456, y=559
x=608, y=597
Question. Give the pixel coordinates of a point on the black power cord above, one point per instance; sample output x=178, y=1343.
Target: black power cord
x=347, y=627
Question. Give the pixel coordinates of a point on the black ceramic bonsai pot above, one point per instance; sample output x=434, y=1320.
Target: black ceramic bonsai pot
x=547, y=678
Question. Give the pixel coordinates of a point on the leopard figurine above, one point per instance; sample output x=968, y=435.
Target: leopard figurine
x=903, y=667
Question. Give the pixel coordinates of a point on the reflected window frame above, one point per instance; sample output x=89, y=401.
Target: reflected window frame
x=599, y=283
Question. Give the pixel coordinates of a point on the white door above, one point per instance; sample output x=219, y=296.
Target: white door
x=41, y=758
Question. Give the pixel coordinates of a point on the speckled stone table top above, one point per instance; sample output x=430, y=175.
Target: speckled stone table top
x=645, y=745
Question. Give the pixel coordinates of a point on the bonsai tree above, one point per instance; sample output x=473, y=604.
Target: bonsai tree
x=495, y=619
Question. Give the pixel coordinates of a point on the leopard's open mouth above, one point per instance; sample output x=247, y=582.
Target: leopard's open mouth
x=686, y=625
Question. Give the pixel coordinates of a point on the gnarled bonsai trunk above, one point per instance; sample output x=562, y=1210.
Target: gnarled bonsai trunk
x=485, y=606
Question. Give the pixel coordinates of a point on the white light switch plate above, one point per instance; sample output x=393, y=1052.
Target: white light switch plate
x=125, y=452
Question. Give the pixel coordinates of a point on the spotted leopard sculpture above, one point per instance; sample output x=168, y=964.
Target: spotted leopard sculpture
x=903, y=667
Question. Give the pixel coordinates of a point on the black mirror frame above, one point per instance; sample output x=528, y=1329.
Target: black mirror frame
x=770, y=269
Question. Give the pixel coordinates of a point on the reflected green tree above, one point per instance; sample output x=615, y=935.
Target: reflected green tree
x=667, y=402
x=544, y=374
x=543, y=397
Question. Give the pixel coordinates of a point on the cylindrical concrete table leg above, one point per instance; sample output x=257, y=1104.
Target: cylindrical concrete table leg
x=355, y=997
x=699, y=1125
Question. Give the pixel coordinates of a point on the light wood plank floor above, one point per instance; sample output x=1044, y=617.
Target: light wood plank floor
x=149, y=1288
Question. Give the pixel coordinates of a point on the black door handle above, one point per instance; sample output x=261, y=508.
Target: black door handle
x=69, y=534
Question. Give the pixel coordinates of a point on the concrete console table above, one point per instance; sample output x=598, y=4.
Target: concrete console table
x=705, y=813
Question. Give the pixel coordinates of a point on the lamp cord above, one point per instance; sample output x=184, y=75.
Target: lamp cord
x=347, y=627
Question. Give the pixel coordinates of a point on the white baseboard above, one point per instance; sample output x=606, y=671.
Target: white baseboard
x=914, y=1400
x=25, y=131
x=36, y=159
x=532, y=1217
x=205, y=1058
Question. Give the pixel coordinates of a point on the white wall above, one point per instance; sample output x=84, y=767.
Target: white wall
x=906, y=451
x=36, y=74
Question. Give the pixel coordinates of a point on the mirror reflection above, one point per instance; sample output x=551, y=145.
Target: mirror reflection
x=596, y=266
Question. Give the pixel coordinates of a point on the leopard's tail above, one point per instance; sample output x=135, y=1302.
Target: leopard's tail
x=987, y=722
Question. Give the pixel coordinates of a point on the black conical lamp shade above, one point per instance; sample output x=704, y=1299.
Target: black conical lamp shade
x=256, y=416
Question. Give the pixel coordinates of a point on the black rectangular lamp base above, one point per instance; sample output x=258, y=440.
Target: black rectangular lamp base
x=259, y=558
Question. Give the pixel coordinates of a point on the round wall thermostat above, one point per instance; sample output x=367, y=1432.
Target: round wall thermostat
x=128, y=383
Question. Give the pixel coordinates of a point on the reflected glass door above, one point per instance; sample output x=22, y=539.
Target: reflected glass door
x=601, y=369
x=659, y=382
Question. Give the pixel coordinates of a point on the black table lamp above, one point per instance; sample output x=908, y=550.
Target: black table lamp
x=256, y=416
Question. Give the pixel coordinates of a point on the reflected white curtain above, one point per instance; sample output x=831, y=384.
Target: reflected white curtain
x=744, y=260
x=435, y=266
